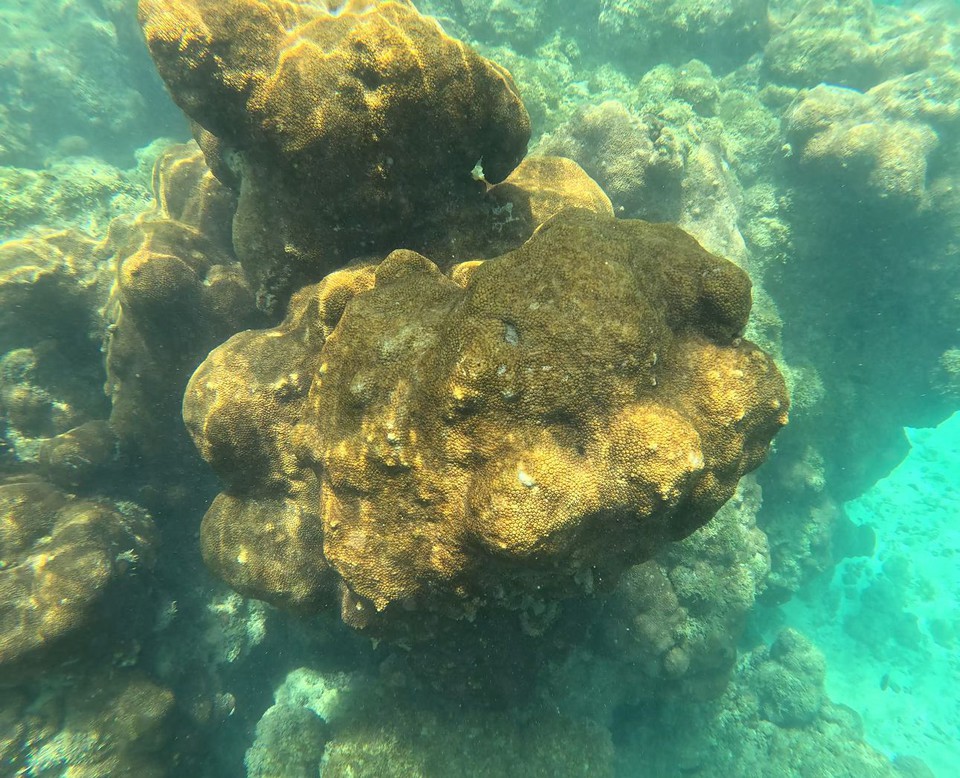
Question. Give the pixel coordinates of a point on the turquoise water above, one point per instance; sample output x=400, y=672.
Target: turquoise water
x=355, y=421
x=887, y=622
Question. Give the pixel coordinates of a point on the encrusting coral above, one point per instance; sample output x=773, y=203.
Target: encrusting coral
x=346, y=131
x=519, y=434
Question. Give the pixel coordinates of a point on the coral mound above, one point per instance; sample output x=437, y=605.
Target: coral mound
x=60, y=557
x=346, y=131
x=517, y=435
x=847, y=136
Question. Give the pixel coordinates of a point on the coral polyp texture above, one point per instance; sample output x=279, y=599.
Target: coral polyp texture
x=518, y=432
x=346, y=131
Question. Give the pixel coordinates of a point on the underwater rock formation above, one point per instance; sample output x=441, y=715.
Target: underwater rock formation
x=179, y=291
x=344, y=133
x=114, y=722
x=521, y=433
x=60, y=559
x=722, y=32
x=844, y=135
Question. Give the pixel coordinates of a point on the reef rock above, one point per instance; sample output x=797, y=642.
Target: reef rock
x=519, y=432
x=112, y=722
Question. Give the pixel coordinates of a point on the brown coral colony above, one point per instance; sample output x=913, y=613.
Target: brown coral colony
x=469, y=415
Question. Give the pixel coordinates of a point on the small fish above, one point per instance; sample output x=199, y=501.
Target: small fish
x=887, y=683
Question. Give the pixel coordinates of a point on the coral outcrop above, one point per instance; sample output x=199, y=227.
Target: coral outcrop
x=638, y=162
x=845, y=136
x=346, y=131
x=60, y=559
x=179, y=291
x=110, y=723
x=674, y=622
x=520, y=433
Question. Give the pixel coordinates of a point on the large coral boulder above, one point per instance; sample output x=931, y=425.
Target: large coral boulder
x=519, y=434
x=346, y=131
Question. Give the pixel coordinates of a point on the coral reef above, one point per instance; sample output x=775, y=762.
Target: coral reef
x=480, y=420
x=79, y=192
x=509, y=463
x=178, y=292
x=636, y=161
x=50, y=378
x=345, y=133
x=60, y=559
x=108, y=724
x=419, y=738
x=847, y=140
x=674, y=621
x=721, y=32
x=773, y=719
x=421, y=742
x=671, y=628
x=677, y=147
x=853, y=44
x=75, y=75
x=521, y=22
x=154, y=295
